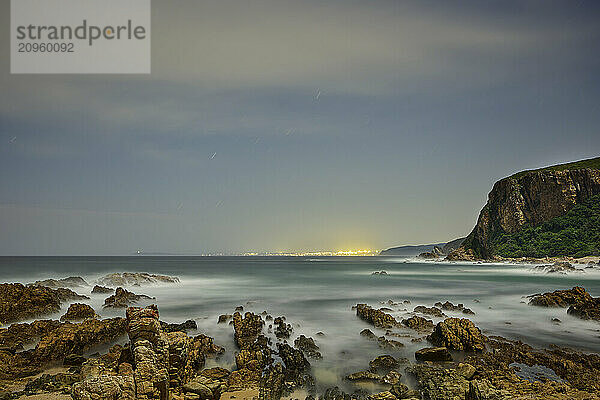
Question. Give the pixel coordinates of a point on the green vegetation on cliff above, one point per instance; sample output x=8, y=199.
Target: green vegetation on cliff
x=593, y=163
x=576, y=233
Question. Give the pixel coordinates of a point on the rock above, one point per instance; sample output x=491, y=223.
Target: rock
x=375, y=317
x=561, y=298
x=19, y=302
x=135, y=279
x=379, y=273
x=418, y=323
x=246, y=329
x=308, y=346
x=50, y=383
x=74, y=359
x=529, y=198
x=201, y=390
x=587, y=310
x=468, y=311
x=293, y=359
x=436, y=382
x=182, y=327
x=102, y=290
x=364, y=376
x=465, y=370
x=282, y=330
x=433, y=354
x=78, y=312
x=385, y=343
x=433, y=311
x=391, y=378
x=561, y=267
x=368, y=334
x=384, y=362
x=457, y=334
x=123, y=298
x=223, y=318
x=70, y=283
x=17, y=335
x=382, y=396
x=150, y=349
x=103, y=387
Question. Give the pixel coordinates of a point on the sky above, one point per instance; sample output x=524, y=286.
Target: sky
x=280, y=125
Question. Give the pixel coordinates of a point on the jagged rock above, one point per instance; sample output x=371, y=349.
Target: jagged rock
x=150, y=349
x=19, y=302
x=50, y=383
x=16, y=336
x=74, y=359
x=223, y=318
x=375, y=317
x=387, y=395
x=78, y=312
x=588, y=310
x=183, y=327
x=109, y=387
x=308, y=346
x=457, y=334
x=282, y=330
x=433, y=311
x=198, y=388
x=385, y=343
x=368, y=334
x=102, y=290
x=272, y=383
x=69, y=283
x=418, y=323
x=391, y=378
x=561, y=267
x=123, y=298
x=433, y=354
x=466, y=370
x=135, y=279
x=428, y=255
x=246, y=329
x=384, y=362
x=364, y=376
x=436, y=382
x=561, y=298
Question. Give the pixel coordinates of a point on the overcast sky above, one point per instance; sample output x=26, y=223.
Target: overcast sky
x=291, y=125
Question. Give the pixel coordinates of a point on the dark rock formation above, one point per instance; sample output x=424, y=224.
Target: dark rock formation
x=383, y=363
x=458, y=334
x=282, y=329
x=562, y=267
x=246, y=329
x=418, y=323
x=586, y=310
x=18, y=302
x=308, y=346
x=182, y=327
x=528, y=198
x=69, y=283
x=433, y=354
x=433, y=311
x=364, y=376
x=375, y=317
x=123, y=298
x=78, y=312
x=102, y=290
x=561, y=298
x=369, y=334
x=135, y=279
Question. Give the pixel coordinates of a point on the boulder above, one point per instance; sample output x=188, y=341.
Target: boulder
x=188, y=325
x=384, y=362
x=587, y=310
x=364, y=376
x=102, y=290
x=375, y=317
x=561, y=298
x=135, y=279
x=19, y=302
x=436, y=382
x=418, y=323
x=433, y=311
x=368, y=334
x=308, y=346
x=70, y=283
x=458, y=334
x=282, y=329
x=433, y=354
x=78, y=312
x=246, y=329
x=123, y=298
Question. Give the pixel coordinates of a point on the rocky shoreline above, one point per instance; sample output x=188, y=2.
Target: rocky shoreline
x=138, y=356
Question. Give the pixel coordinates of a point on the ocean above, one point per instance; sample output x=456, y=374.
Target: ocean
x=317, y=295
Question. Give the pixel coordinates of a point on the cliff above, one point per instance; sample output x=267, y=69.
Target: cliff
x=528, y=199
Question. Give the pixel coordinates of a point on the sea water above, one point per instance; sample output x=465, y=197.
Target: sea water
x=317, y=294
